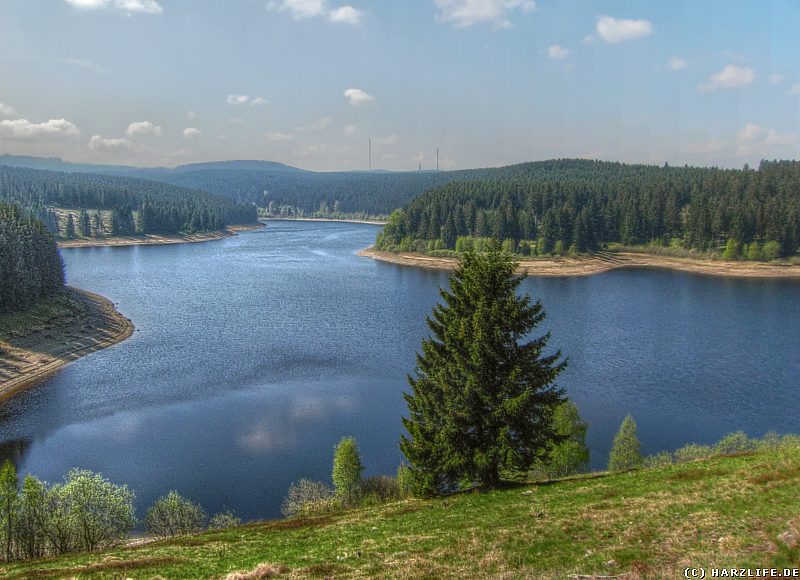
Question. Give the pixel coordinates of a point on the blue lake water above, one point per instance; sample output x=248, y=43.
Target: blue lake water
x=254, y=355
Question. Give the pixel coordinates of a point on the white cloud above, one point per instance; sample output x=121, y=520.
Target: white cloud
x=129, y=6
x=277, y=136
x=7, y=110
x=795, y=89
x=557, y=52
x=387, y=140
x=191, y=115
x=345, y=14
x=98, y=143
x=236, y=120
x=730, y=77
x=616, y=30
x=677, y=63
x=24, y=129
x=258, y=101
x=751, y=141
x=190, y=132
x=357, y=97
x=84, y=64
x=776, y=78
x=304, y=9
x=465, y=13
x=349, y=130
x=237, y=99
x=143, y=128
x=318, y=124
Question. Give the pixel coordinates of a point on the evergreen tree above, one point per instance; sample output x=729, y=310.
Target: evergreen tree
x=626, y=450
x=482, y=399
x=9, y=507
x=347, y=467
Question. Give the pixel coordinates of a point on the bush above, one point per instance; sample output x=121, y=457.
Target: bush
x=414, y=483
x=734, y=443
x=224, y=520
x=569, y=455
x=660, y=459
x=771, y=250
x=626, y=450
x=347, y=468
x=693, y=452
x=174, y=515
x=308, y=497
x=376, y=490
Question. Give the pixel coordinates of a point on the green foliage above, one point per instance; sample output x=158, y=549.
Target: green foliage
x=30, y=265
x=306, y=498
x=482, y=400
x=772, y=250
x=347, y=467
x=659, y=459
x=693, y=452
x=573, y=206
x=754, y=252
x=626, y=449
x=731, y=250
x=174, y=515
x=9, y=508
x=376, y=490
x=737, y=442
x=568, y=455
x=224, y=520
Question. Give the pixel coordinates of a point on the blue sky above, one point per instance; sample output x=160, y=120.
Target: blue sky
x=489, y=82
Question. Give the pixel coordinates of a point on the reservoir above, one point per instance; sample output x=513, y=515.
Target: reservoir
x=255, y=354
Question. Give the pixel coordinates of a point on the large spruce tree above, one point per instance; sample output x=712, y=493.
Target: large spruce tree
x=482, y=400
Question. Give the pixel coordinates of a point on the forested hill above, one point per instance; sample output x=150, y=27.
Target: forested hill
x=554, y=206
x=30, y=266
x=93, y=205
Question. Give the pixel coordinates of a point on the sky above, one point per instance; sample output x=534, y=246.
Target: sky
x=487, y=82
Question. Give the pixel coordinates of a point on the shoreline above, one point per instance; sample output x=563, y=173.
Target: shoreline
x=27, y=360
x=587, y=266
x=158, y=240
x=305, y=219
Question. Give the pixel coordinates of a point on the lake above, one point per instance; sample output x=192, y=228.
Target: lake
x=255, y=354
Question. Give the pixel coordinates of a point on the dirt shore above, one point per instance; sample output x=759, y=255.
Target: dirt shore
x=156, y=240
x=584, y=266
x=31, y=356
x=347, y=221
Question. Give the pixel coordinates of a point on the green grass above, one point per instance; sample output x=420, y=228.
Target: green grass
x=58, y=310
x=731, y=511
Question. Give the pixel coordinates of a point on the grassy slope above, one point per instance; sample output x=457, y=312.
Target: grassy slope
x=726, y=511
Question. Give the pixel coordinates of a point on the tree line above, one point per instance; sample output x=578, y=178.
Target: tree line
x=113, y=205
x=30, y=265
x=578, y=205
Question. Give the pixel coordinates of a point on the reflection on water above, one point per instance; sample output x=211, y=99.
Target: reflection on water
x=254, y=355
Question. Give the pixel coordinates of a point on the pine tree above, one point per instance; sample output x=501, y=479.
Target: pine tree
x=347, y=467
x=482, y=399
x=626, y=450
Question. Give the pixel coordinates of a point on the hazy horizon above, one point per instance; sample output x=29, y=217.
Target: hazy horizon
x=488, y=82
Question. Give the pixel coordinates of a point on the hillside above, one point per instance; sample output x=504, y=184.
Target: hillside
x=727, y=511
x=93, y=205
x=574, y=206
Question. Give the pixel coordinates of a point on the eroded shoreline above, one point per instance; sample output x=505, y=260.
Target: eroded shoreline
x=157, y=240
x=585, y=266
x=32, y=357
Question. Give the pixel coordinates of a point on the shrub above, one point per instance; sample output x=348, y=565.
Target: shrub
x=754, y=251
x=414, y=483
x=224, y=520
x=569, y=455
x=347, y=468
x=734, y=443
x=771, y=250
x=693, y=452
x=174, y=515
x=308, y=497
x=376, y=490
x=626, y=450
x=660, y=459
x=770, y=440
